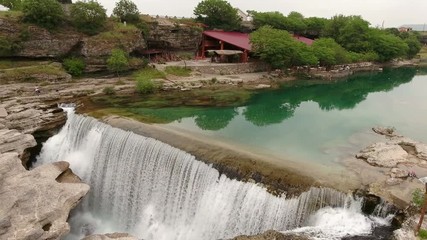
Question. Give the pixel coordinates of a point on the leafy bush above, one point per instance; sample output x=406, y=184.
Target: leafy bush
x=74, y=66
x=45, y=13
x=422, y=234
x=109, y=91
x=89, y=17
x=118, y=61
x=178, y=71
x=145, y=85
x=417, y=197
x=127, y=11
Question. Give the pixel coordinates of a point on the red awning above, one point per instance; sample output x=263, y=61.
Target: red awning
x=237, y=39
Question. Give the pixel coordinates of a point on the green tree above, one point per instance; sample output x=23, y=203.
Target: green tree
x=388, y=46
x=88, y=16
x=45, y=13
x=274, y=46
x=118, y=61
x=304, y=56
x=295, y=23
x=218, y=14
x=414, y=46
x=275, y=19
x=354, y=36
x=330, y=52
x=127, y=11
x=12, y=4
x=315, y=26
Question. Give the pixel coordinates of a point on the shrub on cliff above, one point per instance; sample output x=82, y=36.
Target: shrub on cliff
x=127, y=11
x=118, y=61
x=74, y=66
x=89, y=17
x=145, y=85
x=45, y=13
x=218, y=14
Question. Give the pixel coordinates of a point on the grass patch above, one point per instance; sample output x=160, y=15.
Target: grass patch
x=150, y=73
x=422, y=234
x=31, y=73
x=11, y=14
x=178, y=71
x=5, y=64
x=117, y=31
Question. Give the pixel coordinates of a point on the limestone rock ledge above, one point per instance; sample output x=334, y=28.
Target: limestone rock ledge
x=14, y=141
x=34, y=204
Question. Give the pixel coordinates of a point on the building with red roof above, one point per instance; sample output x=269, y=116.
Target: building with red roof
x=231, y=43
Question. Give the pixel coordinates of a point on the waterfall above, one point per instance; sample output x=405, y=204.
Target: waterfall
x=155, y=191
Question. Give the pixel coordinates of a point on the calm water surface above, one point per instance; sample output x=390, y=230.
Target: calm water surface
x=314, y=120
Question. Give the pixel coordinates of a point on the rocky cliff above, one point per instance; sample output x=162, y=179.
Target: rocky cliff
x=30, y=41
x=34, y=205
x=174, y=37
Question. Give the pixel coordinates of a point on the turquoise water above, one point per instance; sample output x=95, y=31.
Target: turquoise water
x=314, y=120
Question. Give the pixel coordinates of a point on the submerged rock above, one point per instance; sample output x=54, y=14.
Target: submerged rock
x=384, y=154
x=272, y=235
x=34, y=205
x=111, y=236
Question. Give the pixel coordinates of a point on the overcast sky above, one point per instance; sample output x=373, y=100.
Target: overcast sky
x=394, y=13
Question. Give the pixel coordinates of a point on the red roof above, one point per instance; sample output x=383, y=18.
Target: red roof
x=241, y=40
x=305, y=40
x=237, y=39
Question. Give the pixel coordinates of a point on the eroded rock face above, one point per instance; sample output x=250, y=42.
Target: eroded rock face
x=174, y=37
x=29, y=117
x=111, y=236
x=97, y=49
x=15, y=141
x=37, y=42
x=33, y=204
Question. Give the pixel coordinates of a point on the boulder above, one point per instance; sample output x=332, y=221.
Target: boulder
x=384, y=154
x=33, y=204
x=111, y=236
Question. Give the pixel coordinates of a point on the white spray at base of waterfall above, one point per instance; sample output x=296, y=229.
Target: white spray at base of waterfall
x=154, y=191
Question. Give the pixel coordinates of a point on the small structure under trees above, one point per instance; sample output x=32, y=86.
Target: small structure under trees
x=230, y=46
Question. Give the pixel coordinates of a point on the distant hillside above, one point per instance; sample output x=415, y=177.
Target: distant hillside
x=416, y=27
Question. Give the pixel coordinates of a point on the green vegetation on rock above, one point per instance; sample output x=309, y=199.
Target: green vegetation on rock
x=74, y=66
x=127, y=11
x=45, y=13
x=418, y=198
x=89, y=16
x=118, y=61
x=178, y=71
x=145, y=80
x=217, y=14
x=32, y=73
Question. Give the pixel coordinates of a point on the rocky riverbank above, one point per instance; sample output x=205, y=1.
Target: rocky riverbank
x=36, y=203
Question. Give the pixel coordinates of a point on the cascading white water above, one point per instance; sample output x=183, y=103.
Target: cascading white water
x=143, y=186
